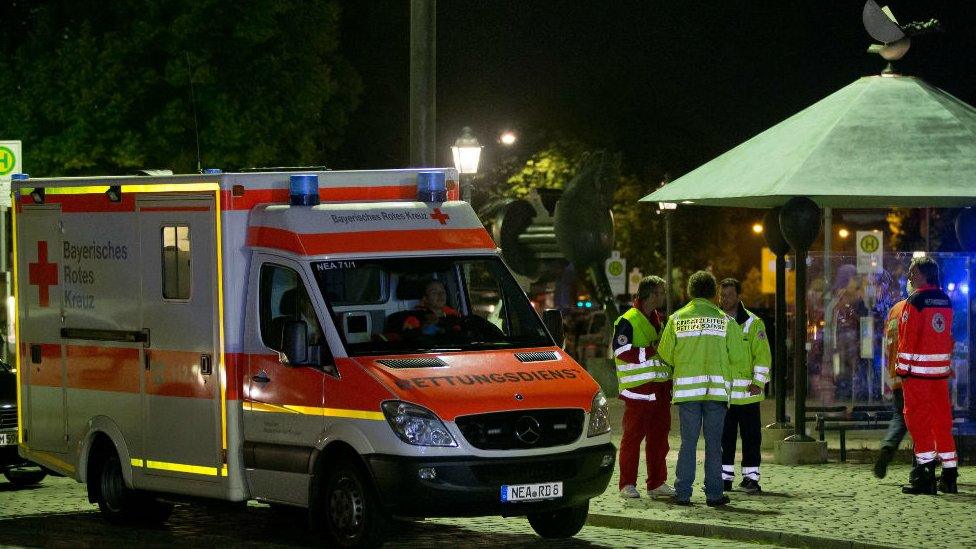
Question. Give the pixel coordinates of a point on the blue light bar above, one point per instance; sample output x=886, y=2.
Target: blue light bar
x=303, y=189
x=431, y=187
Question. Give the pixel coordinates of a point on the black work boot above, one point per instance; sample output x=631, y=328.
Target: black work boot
x=881, y=466
x=922, y=479
x=947, y=482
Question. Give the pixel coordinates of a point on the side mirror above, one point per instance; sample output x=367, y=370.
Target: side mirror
x=553, y=319
x=294, y=342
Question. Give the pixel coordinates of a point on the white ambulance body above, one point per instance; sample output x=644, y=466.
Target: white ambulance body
x=201, y=336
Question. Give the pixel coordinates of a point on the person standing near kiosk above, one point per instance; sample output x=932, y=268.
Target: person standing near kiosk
x=924, y=365
x=750, y=373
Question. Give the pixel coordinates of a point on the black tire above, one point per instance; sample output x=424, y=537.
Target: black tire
x=352, y=513
x=561, y=523
x=21, y=477
x=120, y=504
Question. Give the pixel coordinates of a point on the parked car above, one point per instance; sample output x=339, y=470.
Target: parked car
x=17, y=470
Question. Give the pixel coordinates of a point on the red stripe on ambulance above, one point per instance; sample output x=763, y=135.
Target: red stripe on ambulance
x=415, y=240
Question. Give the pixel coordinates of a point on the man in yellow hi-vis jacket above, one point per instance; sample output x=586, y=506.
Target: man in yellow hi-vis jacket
x=699, y=342
x=750, y=373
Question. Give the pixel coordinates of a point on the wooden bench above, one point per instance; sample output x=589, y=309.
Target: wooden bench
x=859, y=418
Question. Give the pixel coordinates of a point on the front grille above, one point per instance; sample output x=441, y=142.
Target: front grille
x=524, y=473
x=538, y=356
x=8, y=418
x=522, y=429
x=401, y=363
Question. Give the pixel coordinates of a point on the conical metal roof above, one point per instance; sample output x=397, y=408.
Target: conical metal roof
x=882, y=141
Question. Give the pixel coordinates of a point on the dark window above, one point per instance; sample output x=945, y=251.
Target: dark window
x=176, y=262
x=284, y=298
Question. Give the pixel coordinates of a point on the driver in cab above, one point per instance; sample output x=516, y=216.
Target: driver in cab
x=432, y=316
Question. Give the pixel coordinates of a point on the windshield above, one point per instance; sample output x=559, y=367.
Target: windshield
x=416, y=305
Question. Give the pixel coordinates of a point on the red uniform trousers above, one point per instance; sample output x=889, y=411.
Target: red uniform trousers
x=648, y=421
x=928, y=415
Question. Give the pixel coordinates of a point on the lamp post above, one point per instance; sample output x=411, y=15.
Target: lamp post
x=667, y=208
x=467, y=154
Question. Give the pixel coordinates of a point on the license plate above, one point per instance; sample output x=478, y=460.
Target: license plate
x=8, y=439
x=531, y=492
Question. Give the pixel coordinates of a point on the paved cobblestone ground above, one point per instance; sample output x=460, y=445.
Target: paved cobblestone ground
x=831, y=505
x=835, y=501
x=57, y=514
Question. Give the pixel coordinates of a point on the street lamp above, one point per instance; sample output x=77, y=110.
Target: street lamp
x=467, y=154
x=667, y=208
x=508, y=138
x=757, y=228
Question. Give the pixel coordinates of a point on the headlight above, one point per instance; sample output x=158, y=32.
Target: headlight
x=416, y=425
x=599, y=416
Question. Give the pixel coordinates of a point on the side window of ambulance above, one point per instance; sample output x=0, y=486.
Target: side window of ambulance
x=176, y=261
x=283, y=298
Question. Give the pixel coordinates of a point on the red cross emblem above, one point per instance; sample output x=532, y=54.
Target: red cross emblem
x=42, y=274
x=442, y=217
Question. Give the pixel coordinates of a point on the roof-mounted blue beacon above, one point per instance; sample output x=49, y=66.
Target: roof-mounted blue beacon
x=304, y=190
x=431, y=187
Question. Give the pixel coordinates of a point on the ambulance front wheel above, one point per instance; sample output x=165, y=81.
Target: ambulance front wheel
x=353, y=516
x=561, y=523
x=120, y=504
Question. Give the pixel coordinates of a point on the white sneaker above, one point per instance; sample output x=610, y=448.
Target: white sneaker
x=662, y=490
x=629, y=491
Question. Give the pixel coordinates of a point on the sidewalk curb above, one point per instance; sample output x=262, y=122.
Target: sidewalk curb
x=724, y=532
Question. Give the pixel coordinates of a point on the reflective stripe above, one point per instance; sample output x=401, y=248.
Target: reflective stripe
x=177, y=467
x=622, y=349
x=627, y=367
x=696, y=333
x=949, y=464
x=741, y=382
x=923, y=358
x=700, y=392
x=745, y=327
x=751, y=472
x=740, y=394
x=643, y=376
x=930, y=370
x=947, y=455
x=642, y=355
x=761, y=369
x=925, y=457
x=637, y=396
x=698, y=379
x=728, y=472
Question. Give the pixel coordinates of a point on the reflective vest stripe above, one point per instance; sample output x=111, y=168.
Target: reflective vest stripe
x=702, y=391
x=924, y=358
x=623, y=349
x=696, y=333
x=698, y=379
x=924, y=370
x=637, y=396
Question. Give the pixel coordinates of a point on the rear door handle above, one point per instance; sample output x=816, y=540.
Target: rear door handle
x=206, y=365
x=262, y=377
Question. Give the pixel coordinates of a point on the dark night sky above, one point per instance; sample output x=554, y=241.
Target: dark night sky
x=671, y=84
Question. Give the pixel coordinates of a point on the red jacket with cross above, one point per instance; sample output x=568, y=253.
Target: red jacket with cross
x=925, y=335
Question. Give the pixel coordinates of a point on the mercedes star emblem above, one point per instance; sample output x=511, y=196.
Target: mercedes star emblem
x=528, y=430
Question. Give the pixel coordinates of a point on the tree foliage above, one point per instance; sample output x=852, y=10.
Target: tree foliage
x=105, y=87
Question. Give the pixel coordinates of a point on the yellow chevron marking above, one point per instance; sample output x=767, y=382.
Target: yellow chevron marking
x=178, y=467
x=316, y=411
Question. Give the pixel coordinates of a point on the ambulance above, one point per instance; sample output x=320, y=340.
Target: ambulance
x=347, y=342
